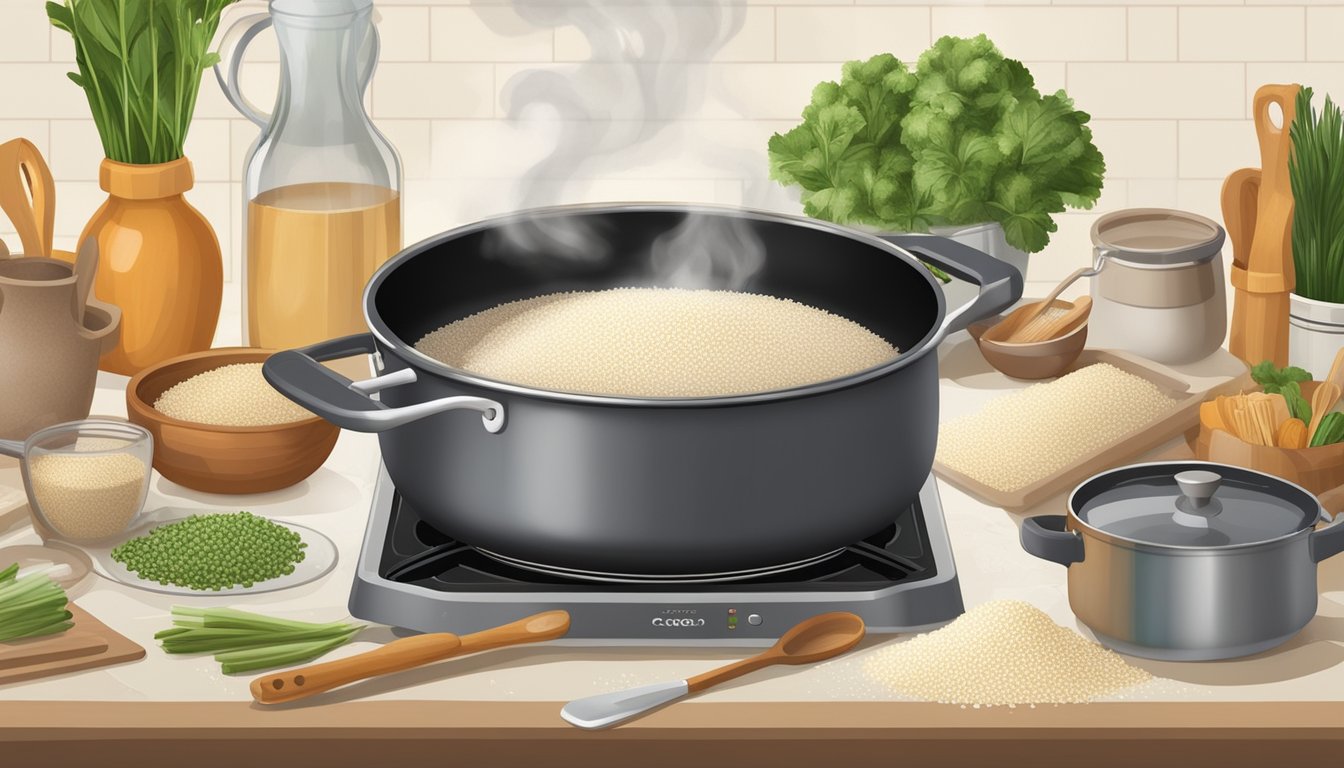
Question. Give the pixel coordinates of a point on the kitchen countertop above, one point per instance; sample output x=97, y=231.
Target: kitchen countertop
x=504, y=705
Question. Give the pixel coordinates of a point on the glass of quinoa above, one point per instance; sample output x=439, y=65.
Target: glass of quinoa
x=87, y=480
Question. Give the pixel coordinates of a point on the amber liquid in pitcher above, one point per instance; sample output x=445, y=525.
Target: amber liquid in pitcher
x=311, y=248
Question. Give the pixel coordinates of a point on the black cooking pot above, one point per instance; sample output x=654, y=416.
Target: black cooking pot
x=640, y=486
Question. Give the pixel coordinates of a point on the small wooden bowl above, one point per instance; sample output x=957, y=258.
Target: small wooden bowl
x=1032, y=360
x=1318, y=469
x=216, y=459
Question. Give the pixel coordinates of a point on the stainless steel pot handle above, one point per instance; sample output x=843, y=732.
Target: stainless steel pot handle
x=12, y=448
x=299, y=375
x=1046, y=537
x=1329, y=541
x=1000, y=283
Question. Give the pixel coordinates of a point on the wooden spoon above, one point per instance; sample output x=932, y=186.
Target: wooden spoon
x=28, y=195
x=1336, y=376
x=808, y=642
x=1058, y=326
x=403, y=654
x=1322, y=400
x=1004, y=330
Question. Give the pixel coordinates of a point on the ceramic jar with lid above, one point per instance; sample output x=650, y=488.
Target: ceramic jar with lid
x=1160, y=293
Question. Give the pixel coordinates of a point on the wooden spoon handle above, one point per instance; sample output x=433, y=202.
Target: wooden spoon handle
x=398, y=655
x=403, y=654
x=1275, y=144
x=536, y=628
x=738, y=668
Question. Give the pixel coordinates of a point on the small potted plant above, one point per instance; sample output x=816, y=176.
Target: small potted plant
x=963, y=145
x=1316, y=174
x=140, y=65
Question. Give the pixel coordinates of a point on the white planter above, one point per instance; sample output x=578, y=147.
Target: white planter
x=1315, y=334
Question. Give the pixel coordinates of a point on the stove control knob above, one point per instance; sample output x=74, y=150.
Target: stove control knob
x=754, y=619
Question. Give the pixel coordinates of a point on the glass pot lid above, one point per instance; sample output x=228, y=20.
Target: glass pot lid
x=1193, y=504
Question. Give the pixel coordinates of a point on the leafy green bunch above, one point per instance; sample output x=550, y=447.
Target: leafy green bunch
x=140, y=64
x=1316, y=174
x=964, y=138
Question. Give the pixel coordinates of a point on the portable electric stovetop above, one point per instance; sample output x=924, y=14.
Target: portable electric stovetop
x=900, y=579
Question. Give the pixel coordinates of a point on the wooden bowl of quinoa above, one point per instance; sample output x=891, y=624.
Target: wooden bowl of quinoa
x=220, y=428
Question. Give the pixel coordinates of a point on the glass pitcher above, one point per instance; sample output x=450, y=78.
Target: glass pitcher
x=321, y=186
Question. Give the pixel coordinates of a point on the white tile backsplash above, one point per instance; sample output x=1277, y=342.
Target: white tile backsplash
x=1168, y=84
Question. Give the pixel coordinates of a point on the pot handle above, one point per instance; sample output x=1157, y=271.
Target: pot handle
x=1000, y=283
x=299, y=375
x=1046, y=537
x=12, y=448
x=1329, y=541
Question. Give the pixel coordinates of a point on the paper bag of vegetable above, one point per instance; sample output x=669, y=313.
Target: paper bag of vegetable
x=962, y=139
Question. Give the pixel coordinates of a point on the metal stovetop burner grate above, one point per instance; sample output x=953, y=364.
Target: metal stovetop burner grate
x=415, y=553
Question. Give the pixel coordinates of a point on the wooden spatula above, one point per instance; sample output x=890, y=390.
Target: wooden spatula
x=403, y=654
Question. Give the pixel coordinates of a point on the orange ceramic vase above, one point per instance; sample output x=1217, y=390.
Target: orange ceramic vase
x=160, y=264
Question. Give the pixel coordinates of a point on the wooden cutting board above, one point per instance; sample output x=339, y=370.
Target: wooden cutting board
x=88, y=644
x=1183, y=416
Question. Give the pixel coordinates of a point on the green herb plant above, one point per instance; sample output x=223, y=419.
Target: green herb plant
x=964, y=138
x=1316, y=174
x=244, y=642
x=1287, y=382
x=32, y=606
x=140, y=64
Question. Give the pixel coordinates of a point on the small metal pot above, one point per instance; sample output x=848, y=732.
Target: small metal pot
x=1188, y=561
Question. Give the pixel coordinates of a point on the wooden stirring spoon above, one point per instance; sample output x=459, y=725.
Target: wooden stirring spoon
x=1322, y=400
x=403, y=654
x=812, y=640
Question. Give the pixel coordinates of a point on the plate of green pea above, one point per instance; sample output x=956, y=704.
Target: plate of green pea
x=207, y=552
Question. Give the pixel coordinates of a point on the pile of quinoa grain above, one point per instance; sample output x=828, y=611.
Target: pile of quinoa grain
x=1005, y=652
x=657, y=342
x=229, y=396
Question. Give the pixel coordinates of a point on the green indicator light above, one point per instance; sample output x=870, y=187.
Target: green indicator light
x=732, y=619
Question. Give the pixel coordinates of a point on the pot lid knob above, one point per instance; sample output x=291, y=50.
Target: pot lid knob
x=1198, y=486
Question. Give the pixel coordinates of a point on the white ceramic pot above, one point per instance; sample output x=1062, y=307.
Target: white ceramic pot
x=1315, y=334
x=1160, y=292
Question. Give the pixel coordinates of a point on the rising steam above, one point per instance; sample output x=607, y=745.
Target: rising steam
x=640, y=77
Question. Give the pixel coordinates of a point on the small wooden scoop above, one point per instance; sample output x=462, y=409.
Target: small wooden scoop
x=403, y=654
x=812, y=640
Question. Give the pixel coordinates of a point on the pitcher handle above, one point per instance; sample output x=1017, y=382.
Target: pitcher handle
x=231, y=49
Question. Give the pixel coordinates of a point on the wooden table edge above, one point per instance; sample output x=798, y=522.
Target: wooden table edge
x=365, y=733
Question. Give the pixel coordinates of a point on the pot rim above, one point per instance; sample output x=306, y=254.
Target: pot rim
x=1151, y=546
x=384, y=335
x=67, y=280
